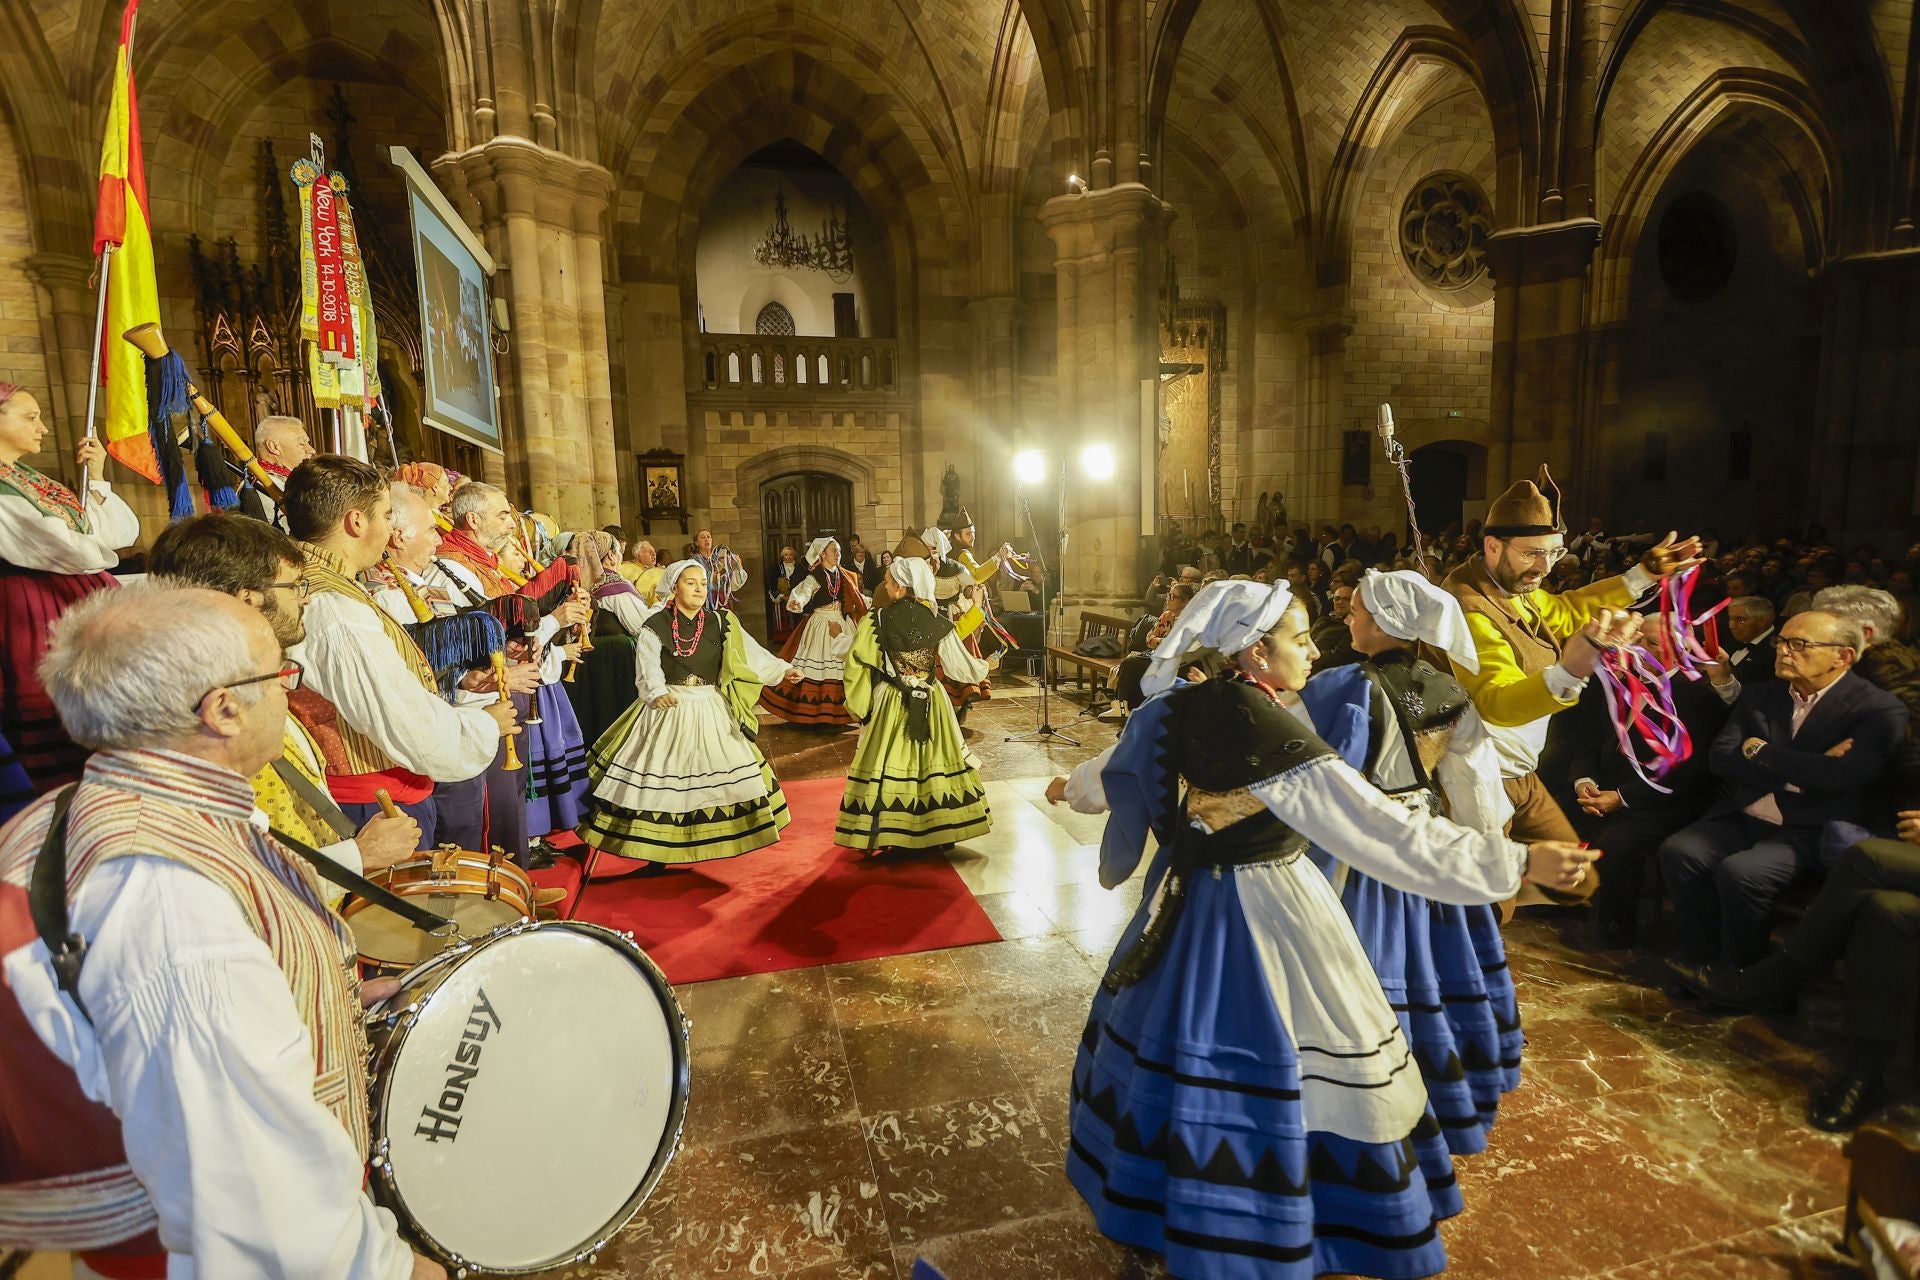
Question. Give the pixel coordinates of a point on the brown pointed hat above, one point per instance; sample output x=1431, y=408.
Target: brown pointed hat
x=1528, y=508
x=912, y=548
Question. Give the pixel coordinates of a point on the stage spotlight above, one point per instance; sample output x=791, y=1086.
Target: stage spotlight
x=1098, y=462
x=1076, y=183
x=1030, y=466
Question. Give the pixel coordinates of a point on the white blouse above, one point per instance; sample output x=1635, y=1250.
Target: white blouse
x=31, y=539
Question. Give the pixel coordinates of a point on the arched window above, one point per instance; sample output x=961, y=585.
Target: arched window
x=757, y=366
x=779, y=370
x=733, y=367
x=774, y=320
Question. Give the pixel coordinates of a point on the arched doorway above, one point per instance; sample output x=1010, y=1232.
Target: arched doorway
x=1444, y=476
x=800, y=506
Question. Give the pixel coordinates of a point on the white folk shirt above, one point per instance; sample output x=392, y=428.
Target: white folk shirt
x=32, y=540
x=1766, y=808
x=197, y=1047
x=350, y=662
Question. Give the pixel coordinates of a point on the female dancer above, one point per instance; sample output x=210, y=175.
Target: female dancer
x=911, y=785
x=829, y=599
x=53, y=551
x=1412, y=729
x=679, y=777
x=1244, y=1101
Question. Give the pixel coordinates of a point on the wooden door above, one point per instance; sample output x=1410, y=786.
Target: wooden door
x=801, y=506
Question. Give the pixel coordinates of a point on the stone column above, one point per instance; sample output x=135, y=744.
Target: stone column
x=1865, y=481
x=548, y=208
x=1107, y=247
x=996, y=377
x=1317, y=501
x=1539, y=306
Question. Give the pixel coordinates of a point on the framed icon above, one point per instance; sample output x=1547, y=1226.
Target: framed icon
x=663, y=488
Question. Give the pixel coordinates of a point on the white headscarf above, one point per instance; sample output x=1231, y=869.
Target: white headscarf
x=1226, y=616
x=672, y=575
x=915, y=574
x=937, y=541
x=1408, y=607
x=817, y=548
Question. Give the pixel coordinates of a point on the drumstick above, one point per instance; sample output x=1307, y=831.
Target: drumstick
x=387, y=807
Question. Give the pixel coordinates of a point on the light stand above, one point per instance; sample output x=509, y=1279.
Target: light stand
x=1046, y=732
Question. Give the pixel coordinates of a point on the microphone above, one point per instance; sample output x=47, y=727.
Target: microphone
x=1386, y=424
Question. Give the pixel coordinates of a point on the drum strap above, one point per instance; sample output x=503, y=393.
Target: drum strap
x=314, y=798
x=361, y=887
x=47, y=902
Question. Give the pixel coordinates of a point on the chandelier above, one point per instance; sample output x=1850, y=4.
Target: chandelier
x=784, y=249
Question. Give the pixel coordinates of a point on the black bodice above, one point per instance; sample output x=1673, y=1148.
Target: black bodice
x=703, y=665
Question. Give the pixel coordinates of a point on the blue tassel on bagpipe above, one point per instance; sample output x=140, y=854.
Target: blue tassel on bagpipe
x=459, y=643
x=167, y=396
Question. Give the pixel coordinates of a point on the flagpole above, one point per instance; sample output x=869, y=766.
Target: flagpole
x=93, y=372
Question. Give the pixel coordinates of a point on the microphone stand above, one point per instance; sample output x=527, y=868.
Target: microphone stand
x=1046, y=731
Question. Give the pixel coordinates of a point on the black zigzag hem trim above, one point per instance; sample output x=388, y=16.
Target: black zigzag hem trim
x=604, y=815
x=922, y=808
x=911, y=779
x=618, y=842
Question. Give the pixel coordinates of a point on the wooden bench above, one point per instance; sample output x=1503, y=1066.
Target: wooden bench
x=1092, y=623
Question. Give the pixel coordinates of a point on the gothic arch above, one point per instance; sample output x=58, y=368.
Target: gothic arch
x=1423, y=64
x=1782, y=107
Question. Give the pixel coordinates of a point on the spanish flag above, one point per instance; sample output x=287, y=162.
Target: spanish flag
x=133, y=296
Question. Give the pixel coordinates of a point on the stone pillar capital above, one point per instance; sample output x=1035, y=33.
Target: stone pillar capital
x=1540, y=254
x=516, y=176
x=1091, y=224
x=60, y=271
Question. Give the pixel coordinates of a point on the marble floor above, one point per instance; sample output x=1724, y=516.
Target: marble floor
x=847, y=1119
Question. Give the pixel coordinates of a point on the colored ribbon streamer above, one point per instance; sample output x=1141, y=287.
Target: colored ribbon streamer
x=1637, y=681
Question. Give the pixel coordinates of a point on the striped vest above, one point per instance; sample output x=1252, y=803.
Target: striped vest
x=349, y=751
x=66, y=1184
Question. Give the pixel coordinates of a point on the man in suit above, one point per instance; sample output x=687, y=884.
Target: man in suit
x=1240, y=557
x=1797, y=753
x=1750, y=620
x=1618, y=810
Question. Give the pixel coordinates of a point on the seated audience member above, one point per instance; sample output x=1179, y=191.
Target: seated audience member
x=1796, y=754
x=1750, y=622
x=1869, y=912
x=1621, y=812
x=1331, y=635
x=260, y=566
x=1156, y=597
x=218, y=1007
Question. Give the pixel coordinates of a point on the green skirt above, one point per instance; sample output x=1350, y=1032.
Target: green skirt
x=902, y=794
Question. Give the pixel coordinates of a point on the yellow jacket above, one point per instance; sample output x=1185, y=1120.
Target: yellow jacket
x=1518, y=637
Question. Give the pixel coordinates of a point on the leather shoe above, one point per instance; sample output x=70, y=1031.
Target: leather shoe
x=1728, y=987
x=547, y=897
x=540, y=856
x=1842, y=1103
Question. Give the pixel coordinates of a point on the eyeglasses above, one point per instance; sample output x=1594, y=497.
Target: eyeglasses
x=1545, y=557
x=288, y=676
x=1796, y=644
x=299, y=586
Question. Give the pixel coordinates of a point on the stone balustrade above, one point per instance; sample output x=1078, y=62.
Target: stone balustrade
x=798, y=368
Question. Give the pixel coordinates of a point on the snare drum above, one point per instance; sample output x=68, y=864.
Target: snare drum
x=567, y=1019
x=476, y=891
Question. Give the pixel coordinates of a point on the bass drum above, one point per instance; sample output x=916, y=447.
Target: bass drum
x=529, y=1090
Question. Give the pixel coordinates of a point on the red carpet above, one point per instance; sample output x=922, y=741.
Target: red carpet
x=802, y=902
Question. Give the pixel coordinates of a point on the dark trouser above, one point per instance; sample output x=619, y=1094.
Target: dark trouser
x=462, y=817
x=423, y=812
x=1725, y=874
x=1537, y=816
x=1629, y=839
x=507, y=797
x=1869, y=908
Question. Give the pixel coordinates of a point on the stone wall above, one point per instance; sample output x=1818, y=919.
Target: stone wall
x=22, y=350
x=1427, y=353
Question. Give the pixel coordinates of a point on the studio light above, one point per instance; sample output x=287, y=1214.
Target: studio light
x=1076, y=183
x=1030, y=466
x=1097, y=461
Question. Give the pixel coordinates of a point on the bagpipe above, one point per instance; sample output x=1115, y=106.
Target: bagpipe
x=170, y=390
